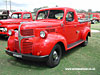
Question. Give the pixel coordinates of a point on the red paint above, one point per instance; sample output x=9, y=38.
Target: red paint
x=13, y=23
x=57, y=30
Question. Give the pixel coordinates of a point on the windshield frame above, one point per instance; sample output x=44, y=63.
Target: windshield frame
x=49, y=14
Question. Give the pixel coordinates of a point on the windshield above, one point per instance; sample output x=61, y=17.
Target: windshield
x=50, y=14
x=16, y=16
x=26, y=16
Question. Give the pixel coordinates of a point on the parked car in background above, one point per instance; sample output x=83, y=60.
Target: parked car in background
x=94, y=17
x=81, y=15
x=54, y=31
x=4, y=14
x=14, y=22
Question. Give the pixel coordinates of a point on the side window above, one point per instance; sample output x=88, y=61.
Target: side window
x=26, y=16
x=70, y=16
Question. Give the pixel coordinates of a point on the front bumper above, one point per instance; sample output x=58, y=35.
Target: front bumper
x=27, y=56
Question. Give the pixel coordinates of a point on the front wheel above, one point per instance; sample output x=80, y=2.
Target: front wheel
x=55, y=56
x=85, y=42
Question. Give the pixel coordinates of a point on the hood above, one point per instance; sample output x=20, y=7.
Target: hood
x=10, y=21
x=42, y=24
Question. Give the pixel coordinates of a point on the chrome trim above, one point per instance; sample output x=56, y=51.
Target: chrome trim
x=20, y=37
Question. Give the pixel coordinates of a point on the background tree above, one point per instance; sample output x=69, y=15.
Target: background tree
x=89, y=10
x=36, y=9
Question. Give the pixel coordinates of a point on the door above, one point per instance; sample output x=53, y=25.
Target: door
x=71, y=32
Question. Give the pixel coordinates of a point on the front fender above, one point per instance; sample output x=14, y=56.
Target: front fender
x=45, y=46
x=11, y=42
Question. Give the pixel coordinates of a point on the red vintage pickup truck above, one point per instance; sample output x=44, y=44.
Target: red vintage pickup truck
x=14, y=22
x=55, y=30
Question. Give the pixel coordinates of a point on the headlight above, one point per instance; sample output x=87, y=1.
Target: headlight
x=10, y=32
x=42, y=34
x=5, y=29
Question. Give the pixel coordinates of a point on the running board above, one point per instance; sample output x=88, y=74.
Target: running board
x=74, y=44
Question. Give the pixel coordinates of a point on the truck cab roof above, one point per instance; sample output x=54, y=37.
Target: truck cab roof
x=60, y=8
x=64, y=9
x=21, y=12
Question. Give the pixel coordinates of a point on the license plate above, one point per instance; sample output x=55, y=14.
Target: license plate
x=17, y=55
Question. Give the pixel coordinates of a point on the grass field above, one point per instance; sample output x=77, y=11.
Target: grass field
x=95, y=26
x=78, y=57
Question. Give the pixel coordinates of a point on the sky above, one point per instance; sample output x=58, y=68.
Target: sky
x=29, y=5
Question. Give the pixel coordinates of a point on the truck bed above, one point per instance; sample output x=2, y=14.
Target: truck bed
x=82, y=21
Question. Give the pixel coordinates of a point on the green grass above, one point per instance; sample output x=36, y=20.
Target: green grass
x=95, y=26
x=78, y=57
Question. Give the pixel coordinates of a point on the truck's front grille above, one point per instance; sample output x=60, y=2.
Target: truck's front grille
x=26, y=47
x=27, y=32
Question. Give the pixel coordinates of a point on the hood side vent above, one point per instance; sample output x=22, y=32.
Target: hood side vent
x=27, y=32
x=50, y=30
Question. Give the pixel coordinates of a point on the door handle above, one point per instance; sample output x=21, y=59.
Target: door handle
x=77, y=31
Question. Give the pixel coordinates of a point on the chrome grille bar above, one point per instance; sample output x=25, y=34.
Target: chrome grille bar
x=20, y=37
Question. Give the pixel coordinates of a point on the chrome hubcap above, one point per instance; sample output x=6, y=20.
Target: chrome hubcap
x=55, y=56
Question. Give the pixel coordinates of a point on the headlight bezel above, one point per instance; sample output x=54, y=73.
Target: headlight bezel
x=10, y=32
x=43, y=34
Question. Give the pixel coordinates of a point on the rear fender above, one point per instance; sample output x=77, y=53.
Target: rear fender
x=86, y=32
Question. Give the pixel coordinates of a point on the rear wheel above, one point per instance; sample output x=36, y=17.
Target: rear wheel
x=97, y=21
x=85, y=42
x=55, y=56
x=93, y=21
